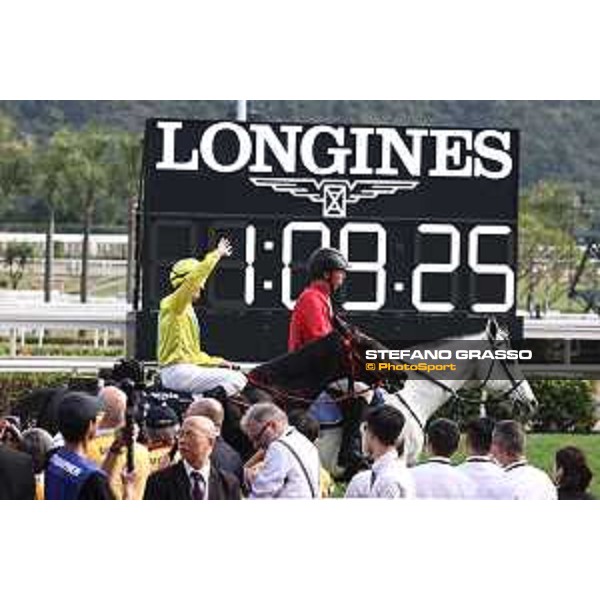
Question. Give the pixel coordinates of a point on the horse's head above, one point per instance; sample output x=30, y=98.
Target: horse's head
x=503, y=377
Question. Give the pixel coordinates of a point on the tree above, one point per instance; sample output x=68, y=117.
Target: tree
x=125, y=184
x=49, y=185
x=548, y=218
x=90, y=156
x=15, y=161
x=16, y=257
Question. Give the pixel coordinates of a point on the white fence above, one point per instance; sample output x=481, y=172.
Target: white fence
x=19, y=315
x=19, y=318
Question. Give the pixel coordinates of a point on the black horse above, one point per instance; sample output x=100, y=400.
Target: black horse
x=295, y=379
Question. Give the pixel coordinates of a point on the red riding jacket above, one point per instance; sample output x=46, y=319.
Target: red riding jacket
x=312, y=317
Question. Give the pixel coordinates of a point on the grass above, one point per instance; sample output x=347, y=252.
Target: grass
x=541, y=448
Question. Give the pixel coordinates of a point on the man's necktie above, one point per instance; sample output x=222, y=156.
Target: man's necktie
x=198, y=485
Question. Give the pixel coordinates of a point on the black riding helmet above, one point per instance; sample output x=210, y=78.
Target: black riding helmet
x=324, y=260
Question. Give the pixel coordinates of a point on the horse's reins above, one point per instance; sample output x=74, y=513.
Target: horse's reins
x=334, y=397
x=456, y=396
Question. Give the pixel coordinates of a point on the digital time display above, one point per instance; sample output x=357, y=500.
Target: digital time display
x=427, y=219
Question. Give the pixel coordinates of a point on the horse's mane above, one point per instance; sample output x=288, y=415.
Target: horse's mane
x=304, y=372
x=307, y=371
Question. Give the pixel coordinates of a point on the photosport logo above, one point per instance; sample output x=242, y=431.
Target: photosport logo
x=450, y=362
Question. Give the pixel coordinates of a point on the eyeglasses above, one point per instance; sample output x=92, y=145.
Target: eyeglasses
x=255, y=438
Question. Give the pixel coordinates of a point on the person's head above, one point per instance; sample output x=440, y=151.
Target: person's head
x=305, y=423
x=115, y=405
x=207, y=407
x=162, y=425
x=328, y=264
x=263, y=423
x=508, y=442
x=443, y=437
x=478, y=433
x=37, y=443
x=197, y=440
x=382, y=429
x=180, y=270
x=571, y=469
x=77, y=414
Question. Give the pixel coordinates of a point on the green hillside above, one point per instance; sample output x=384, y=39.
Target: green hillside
x=560, y=140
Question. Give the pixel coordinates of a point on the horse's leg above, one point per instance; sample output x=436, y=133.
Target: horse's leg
x=413, y=440
x=351, y=457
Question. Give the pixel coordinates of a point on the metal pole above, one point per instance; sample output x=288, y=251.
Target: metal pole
x=49, y=256
x=130, y=282
x=242, y=110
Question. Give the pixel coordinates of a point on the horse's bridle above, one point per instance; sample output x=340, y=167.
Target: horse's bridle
x=515, y=384
x=457, y=397
x=352, y=355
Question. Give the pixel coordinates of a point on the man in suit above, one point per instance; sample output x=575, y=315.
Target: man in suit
x=16, y=475
x=224, y=456
x=193, y=477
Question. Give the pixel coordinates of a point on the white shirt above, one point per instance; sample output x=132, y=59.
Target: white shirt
x=488, y=477
x=282, y=476
x=438, y=479
x=529, y=482
x=387, y=478
x=204, y=471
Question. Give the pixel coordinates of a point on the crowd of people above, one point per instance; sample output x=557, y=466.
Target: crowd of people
x=97, y=454
x=188, y=458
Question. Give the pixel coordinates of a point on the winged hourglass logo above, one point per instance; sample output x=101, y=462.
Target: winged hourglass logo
x=334, y=194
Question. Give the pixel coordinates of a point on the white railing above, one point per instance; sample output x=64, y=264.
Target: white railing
x=55, y=364
x=566, y=327
x=67, y=364
x=20, y=315
x=20, y=318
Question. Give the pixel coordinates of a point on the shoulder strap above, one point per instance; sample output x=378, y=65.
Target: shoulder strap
x=295, y=454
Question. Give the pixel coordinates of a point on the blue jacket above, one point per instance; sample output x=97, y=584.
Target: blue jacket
x=65, y=475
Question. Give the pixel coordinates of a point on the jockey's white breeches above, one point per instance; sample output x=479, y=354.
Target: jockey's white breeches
x=197, y=380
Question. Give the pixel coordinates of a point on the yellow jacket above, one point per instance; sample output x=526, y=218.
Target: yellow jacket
x=178, y=331
x=97, y=451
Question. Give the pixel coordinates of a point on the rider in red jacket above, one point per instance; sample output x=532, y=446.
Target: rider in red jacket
x=312, y=317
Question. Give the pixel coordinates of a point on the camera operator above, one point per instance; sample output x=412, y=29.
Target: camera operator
x=108, y=448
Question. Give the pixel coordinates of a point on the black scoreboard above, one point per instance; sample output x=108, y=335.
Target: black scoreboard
x=427, y=218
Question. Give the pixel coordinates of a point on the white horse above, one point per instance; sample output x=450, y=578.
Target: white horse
x=422, y=396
